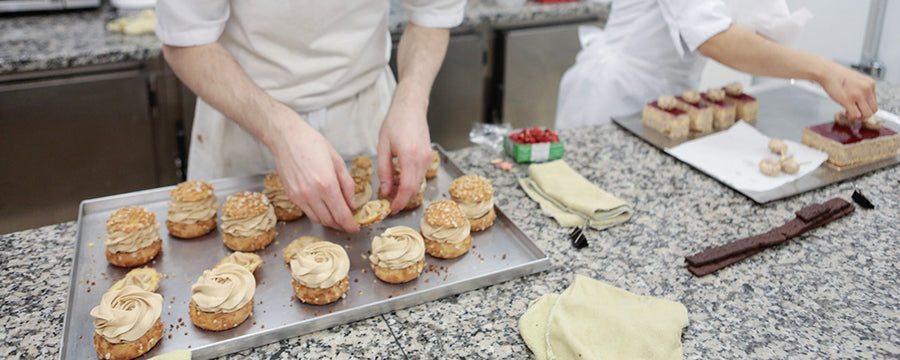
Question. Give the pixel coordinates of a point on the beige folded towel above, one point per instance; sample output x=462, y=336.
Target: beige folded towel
x=558, y=181
x=593, y=320
x=174, y=355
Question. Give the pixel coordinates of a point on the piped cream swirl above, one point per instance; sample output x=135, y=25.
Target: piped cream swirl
x=360, y=198
x=224, y=289
x=280, y=199
x=189, y=212
x=126, y=314
x=120, y=241
x=249, y=227
x=398, y=247
x=475, y=210
x=320, y=265
x=449, y=235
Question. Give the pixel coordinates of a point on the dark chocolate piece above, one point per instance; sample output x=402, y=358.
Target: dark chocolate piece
x=808, y=218
x=861, y=200
x=811, y=212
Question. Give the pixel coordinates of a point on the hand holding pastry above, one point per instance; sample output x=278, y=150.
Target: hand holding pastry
x=853, y=90
x=404, y=134
x=313, y=174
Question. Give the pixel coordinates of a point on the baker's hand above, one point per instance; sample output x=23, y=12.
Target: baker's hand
x=853, y=90
x=314, y=175
x=404, y=135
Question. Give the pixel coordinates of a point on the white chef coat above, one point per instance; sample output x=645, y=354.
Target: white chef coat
x=327, y=60
x=649, y=48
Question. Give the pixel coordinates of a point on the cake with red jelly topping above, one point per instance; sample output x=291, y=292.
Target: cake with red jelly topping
x=663, y=115
x=700, y=112
x=723, y=111
x=852, y=144
x=746, y=106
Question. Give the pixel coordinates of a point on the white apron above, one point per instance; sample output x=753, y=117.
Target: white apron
x=649, y=48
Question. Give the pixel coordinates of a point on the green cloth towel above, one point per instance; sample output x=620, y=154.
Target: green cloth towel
x=174, y=355
x=594, y=320
x=560, y=182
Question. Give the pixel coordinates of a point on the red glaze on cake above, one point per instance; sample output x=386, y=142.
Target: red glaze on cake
x=851, y=145
x=849, y=134
x=673, y=111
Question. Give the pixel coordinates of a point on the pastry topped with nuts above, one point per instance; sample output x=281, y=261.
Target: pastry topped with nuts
x=446, y=230
x=249, y=221
x=285, y=209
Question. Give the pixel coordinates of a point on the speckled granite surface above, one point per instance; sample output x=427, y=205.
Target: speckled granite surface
x=64, y=40
x=832, y=293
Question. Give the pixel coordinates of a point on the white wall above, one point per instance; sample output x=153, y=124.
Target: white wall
x=836, y=31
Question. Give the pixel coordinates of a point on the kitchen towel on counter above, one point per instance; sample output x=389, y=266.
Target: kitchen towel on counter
x=732, y=156
x=557, y=181
x=594, y=320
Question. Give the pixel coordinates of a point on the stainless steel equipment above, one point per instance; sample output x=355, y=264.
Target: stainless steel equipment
x=869, y=63
x=43, y=5
x=500, y=253
x=785, y=108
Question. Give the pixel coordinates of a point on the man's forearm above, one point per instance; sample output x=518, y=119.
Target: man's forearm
x=419, y=57
x=746, y=51
x=216, y=77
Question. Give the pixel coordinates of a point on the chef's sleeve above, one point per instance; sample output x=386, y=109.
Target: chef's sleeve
x=435, y=13
x=692, y=22
x=190, y=22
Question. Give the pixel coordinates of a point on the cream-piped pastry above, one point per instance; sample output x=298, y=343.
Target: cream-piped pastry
x=398, y=255
x=318, y=270
x=362, y=169
x=434, y=166
x=249, y=261
x=144, y=278
x=222, y=298
x=475, y=195
x=362, y=192
x=372, y=212
x=132, y=237
x=446, y=230
x=249, y=221
x=192, y=209
x=285, y=209
x=127, y=323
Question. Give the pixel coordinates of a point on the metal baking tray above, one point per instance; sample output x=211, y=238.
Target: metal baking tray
x=500, y=253
x=785, y=108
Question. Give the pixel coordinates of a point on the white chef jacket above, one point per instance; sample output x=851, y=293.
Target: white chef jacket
x=650, y=48
x=327, y=60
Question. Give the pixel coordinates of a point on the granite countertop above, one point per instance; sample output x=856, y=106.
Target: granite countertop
x=829, y=294
x=79, y=38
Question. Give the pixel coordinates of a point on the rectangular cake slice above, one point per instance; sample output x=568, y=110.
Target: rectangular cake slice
x=669, y=120
x=851, y=145
x=746, y=107
x=723, y=111
x=699, y=111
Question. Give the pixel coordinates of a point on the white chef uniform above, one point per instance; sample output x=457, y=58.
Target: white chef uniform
x=327, y=60
x=649, y=48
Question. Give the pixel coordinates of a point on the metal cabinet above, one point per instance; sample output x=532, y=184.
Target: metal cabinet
x=531, y=63
x=67, y=138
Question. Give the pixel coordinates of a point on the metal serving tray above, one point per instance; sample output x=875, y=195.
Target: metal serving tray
x=785, y=108
x=499, y=253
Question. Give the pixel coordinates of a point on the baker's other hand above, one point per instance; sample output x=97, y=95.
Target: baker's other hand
x=404, y=135
x=851, y=89
x=314, y=175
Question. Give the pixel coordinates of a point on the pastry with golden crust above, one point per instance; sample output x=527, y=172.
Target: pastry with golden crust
x=362, y=192
x=362, y=169
x=398, y=255
x=446, y=230
x=663, y=115
x=434, y=166
x=144, y=278
x=249, y=221
x=372, y=212
x=285, y=209
x=222, y=298
x=132, y=237
x=249, y=261
x=475, y=195
x=192, y=210
x=318, y=270
x=127, y=323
